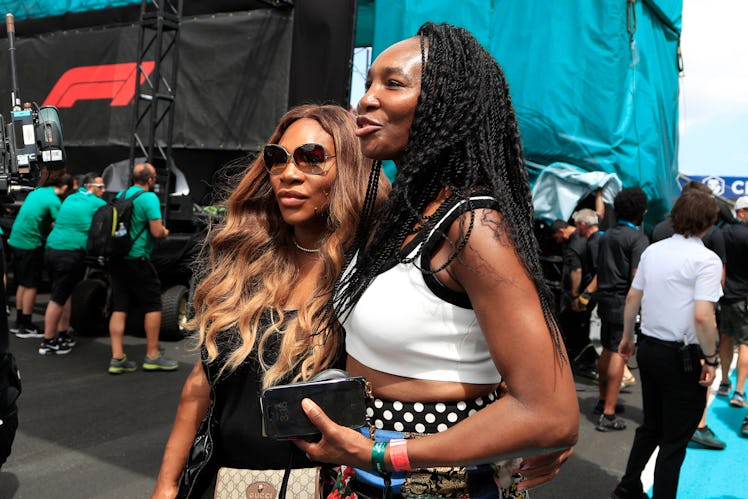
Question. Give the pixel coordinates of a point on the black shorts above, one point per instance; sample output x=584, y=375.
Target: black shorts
x=66, y=269
x=27, y=266
x=611, y=335
x=135, y=283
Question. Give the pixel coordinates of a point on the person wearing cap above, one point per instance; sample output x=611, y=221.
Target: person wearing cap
x=734, y=307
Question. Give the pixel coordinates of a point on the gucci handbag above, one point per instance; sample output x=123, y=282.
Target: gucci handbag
x=303, y=483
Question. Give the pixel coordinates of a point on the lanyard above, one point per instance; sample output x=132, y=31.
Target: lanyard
x=626, y=222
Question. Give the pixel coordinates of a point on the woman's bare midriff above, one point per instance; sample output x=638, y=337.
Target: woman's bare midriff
x=393, y=387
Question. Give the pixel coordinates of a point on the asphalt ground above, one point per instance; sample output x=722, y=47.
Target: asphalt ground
x=84, y=433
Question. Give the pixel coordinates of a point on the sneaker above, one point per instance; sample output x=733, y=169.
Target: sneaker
x=160, y=363
x=67, y=338
x=17, y=327
x=600, y=406
x=122, y=366
x=52, y=347
x=29, y=330
x=724, y=389
x=707, y=438
x=744, y=427
x=605, y=424
x=738, y=399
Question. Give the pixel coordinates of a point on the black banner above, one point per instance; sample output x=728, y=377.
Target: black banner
x=232, y=81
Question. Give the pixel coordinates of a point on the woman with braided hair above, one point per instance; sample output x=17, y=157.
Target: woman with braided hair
x=442, y=298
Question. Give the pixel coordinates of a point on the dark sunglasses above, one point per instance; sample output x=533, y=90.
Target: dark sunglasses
x=308, y=158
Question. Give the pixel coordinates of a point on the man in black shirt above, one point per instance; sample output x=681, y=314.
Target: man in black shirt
x=734, y=307
x=585, y=359
x=620, y=251
x=574, y=323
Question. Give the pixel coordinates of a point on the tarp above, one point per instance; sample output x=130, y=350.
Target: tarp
x=232, y=80
x=595, y=85
x=560, y=186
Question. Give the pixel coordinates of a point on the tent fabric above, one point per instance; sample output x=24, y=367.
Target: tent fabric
x=560, y=186
x=25, y=9
x=587, y=92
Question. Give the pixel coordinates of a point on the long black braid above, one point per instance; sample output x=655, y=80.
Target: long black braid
x=464, y=136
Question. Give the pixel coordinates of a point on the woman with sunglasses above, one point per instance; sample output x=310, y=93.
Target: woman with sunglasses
x=270, y=271
x=445, y=298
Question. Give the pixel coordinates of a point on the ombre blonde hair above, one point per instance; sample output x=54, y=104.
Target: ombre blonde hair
x=251, y=267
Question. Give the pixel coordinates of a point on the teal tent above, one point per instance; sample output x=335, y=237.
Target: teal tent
x=27, y=9
x=594, y=82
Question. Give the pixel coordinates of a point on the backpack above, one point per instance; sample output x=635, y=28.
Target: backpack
x=109, y=235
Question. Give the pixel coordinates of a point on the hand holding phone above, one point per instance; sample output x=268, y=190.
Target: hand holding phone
x=341, y=397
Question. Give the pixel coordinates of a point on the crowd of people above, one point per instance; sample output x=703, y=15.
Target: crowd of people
x=666, y=292
x=51, y=231
x=431, y=288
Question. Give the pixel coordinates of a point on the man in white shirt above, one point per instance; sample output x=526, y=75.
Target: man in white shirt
x=677, y=286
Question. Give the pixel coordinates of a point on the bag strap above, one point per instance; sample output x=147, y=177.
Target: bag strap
x=286, y=473
x=132, y=201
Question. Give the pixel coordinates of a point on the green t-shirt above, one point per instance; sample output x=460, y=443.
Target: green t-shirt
x=70, y=232
x=146, y=207
x=34, y=219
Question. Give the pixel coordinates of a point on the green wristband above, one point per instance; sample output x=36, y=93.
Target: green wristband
x=377, y=457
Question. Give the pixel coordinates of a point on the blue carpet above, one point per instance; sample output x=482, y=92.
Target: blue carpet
x=712, y=474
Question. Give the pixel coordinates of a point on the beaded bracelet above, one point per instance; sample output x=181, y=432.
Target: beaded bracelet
x=377, y=457
x=399, y=455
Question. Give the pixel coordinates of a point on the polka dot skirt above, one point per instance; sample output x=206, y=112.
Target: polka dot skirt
x=423, y=417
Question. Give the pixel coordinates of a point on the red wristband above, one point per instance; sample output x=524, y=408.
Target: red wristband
x=399, y=455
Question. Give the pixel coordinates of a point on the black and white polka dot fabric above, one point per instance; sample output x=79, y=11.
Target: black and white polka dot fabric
x=423, y=417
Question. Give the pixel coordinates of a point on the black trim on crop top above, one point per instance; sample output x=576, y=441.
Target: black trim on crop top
x=456, y=298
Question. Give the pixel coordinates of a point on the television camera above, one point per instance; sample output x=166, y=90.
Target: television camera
x=31, y=141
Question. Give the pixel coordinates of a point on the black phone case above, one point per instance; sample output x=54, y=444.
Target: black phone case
x=343, y=400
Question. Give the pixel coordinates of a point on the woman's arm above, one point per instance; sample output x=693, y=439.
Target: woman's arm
x=193, y=404
x=539, y=413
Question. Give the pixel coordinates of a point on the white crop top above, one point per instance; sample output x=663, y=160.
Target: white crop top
x=409, y=324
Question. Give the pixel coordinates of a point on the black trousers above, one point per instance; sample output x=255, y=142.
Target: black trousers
x=575, y=328
x=672, y=402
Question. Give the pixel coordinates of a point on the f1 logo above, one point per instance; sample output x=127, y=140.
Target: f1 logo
x=115, y=82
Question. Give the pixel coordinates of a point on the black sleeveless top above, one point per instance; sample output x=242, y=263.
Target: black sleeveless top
x=238, y=435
